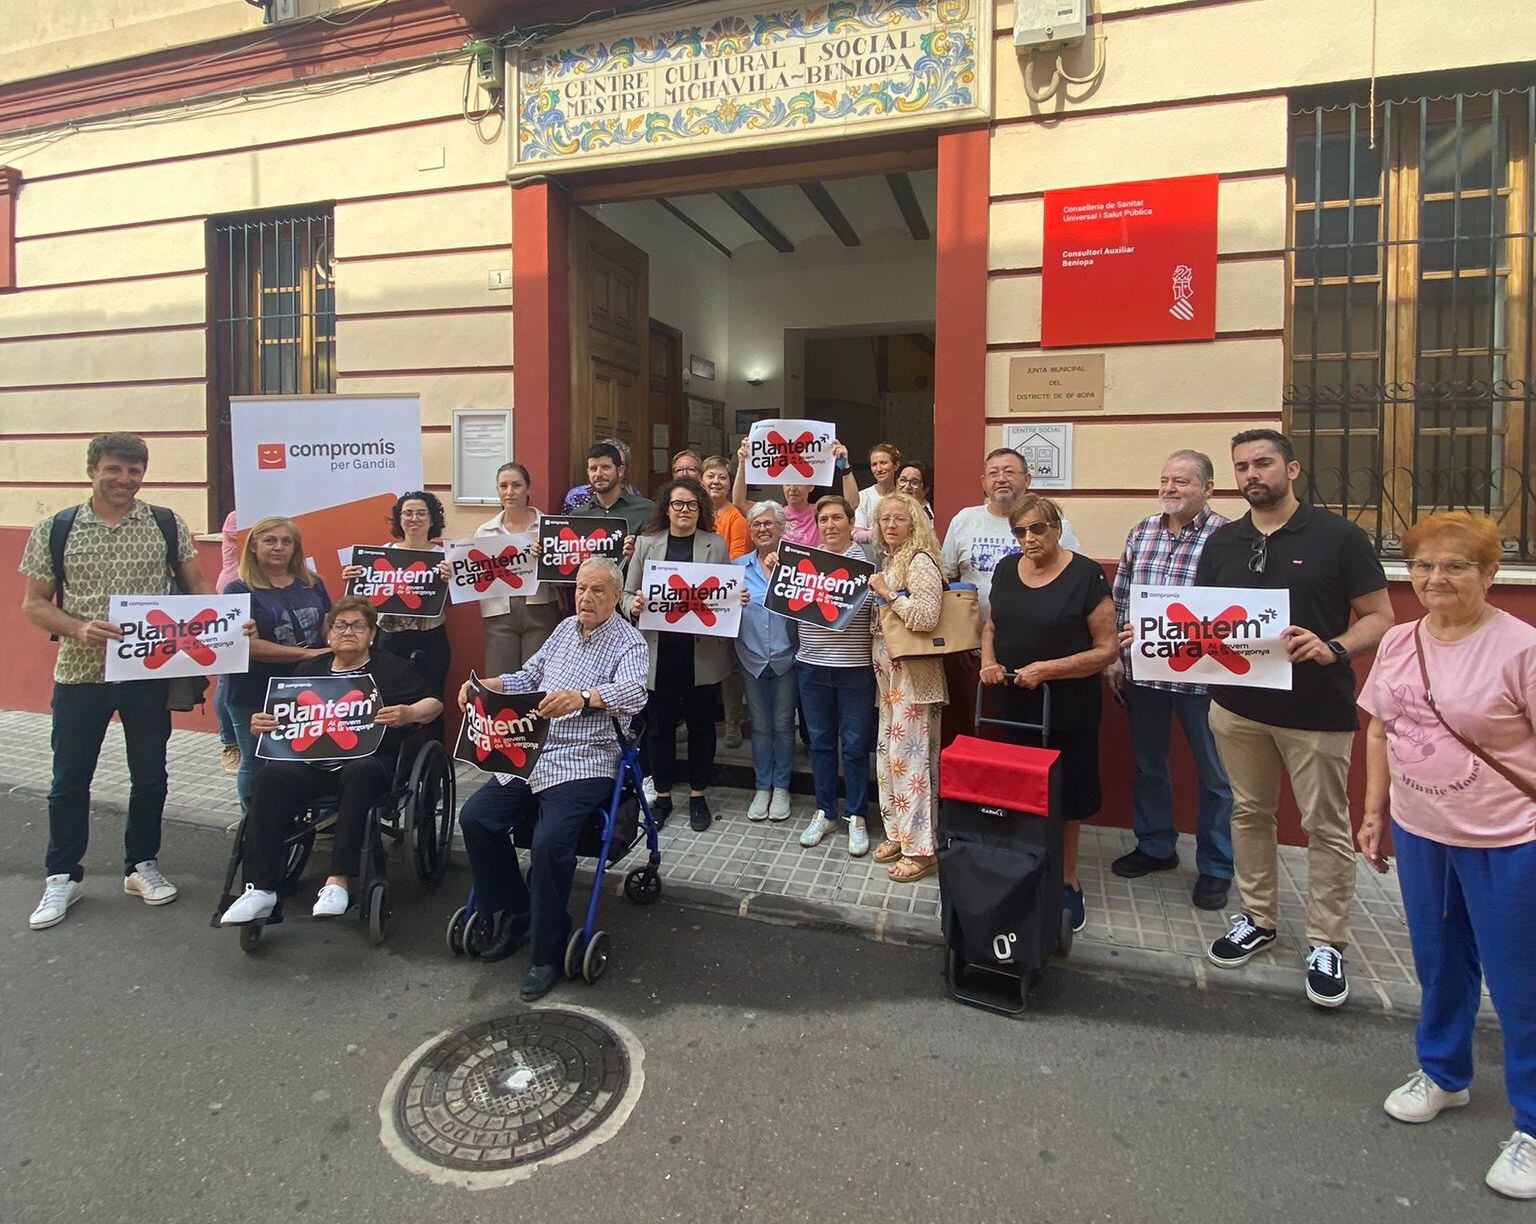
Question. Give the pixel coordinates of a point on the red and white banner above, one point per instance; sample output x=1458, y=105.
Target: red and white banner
x=1210, y=635
x=781, y=452
x=493, y=567
x=691, y=597
x=178, y=635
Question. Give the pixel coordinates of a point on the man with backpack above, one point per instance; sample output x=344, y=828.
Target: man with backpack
x=74, y=560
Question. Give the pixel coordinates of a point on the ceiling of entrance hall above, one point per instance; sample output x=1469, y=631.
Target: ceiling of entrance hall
x=847, y=211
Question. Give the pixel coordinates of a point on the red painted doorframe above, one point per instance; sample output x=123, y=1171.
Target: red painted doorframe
x=541, y=340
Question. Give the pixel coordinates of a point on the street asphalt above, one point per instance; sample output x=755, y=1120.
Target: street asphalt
x=151, y=1071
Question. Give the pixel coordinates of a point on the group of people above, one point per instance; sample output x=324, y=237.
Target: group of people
x=1450, y=748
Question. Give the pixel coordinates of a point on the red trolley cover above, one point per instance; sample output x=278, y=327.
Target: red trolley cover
x=1001, y=775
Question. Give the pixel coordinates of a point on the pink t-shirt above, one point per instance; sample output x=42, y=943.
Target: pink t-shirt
x=1485, y=686
x=800, y=526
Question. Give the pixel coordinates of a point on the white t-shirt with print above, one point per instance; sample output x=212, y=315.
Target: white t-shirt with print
x=977, y=540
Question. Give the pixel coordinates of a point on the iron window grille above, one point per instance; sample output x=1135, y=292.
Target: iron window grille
x=1409, y=327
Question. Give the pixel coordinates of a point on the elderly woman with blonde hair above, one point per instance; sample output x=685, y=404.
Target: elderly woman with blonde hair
x=1450, y=758
x=911, y=691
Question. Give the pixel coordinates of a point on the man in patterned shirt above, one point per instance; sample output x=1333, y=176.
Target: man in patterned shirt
x=1163, y=551
x=591, y=670
x=115, y=547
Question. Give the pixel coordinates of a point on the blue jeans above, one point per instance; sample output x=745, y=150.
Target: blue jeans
x=1152, y=788
x=839, y=707
x=1470, y=914
x=221, y=712
x=771, y=706
x=81, y=713
x=240, y=717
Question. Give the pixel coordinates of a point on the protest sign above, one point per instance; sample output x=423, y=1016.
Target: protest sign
x=178, y=635
x=689, y=597
x=816, y=587
x=492, y=567
x=1210, y=635
x=783, y=452
x=321, y=718
x=501, y=734
x=565, y=541
x=400, y=581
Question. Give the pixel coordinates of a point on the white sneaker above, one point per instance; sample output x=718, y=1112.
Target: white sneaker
x=1513, y=1174
x=648, y=789
x=59, y=893
x=1421, y=1099
x=759, y=808
x=147, y=882
x=331, y=903
x=858, y=837
x=253, y=905
x=778, y=808
x=819, y=827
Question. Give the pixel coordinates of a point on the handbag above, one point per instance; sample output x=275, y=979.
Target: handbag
x=1509, y=775
x=958, y=630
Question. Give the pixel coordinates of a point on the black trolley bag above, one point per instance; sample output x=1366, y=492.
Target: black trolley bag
x=999, y=852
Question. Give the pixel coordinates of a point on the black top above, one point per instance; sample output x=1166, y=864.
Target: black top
x=1033, y=624
x=1324, y=561
x=290, y=616
x=675, y=650
x=397, y=680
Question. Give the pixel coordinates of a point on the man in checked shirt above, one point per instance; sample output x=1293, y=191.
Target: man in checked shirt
x=592, y=670
x=1164, y=550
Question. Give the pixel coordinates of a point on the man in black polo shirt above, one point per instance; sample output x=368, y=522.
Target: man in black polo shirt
x=1328, y=566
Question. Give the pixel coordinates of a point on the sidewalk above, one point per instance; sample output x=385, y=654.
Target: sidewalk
x=760, y=871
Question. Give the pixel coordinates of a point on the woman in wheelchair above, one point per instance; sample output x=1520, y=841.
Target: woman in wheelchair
x=282, y=789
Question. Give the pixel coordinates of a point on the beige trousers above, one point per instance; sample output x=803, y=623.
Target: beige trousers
x=1317, y=763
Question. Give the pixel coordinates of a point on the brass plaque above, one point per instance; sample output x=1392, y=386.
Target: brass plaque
x=1056, y=384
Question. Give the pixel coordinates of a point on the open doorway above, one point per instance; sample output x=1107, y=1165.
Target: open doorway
x=694, y=315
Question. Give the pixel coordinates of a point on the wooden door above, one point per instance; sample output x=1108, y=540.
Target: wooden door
x=666, y=401
x=610, y=342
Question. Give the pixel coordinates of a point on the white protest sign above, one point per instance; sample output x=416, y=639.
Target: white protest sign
x=492, y=567
x=691, y=597
x=783, y=452
x=1210, y=635
x=165, y=636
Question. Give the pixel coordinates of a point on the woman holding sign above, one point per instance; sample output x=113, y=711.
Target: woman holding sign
x=685, y=669
x=911, y=690
x=515, y=626
x=1052, y=621
x=765, y=650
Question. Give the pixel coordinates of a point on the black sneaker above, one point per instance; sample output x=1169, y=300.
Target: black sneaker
x=1326, y=984
x=1134, y=865
x=699, y=818
x=1241, y=944
x=1210, y=892
x=1072, y=901
x=661, y=809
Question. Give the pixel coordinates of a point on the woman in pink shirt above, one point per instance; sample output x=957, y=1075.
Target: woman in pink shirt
x=1451, y=756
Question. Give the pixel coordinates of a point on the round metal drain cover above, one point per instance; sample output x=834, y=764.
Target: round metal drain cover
x=490, y=1103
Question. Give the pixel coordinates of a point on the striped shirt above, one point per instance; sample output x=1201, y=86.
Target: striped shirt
x=850, y=648
x=1154, y=557
x=612, y=661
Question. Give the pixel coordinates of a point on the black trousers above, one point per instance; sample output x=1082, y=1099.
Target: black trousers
x=280, y=793
x=675, y=698
x=436, y=656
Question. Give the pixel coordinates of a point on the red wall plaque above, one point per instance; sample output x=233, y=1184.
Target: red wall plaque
x=1130, y=263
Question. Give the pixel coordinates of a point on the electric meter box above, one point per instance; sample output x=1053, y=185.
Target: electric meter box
x=1038, y=24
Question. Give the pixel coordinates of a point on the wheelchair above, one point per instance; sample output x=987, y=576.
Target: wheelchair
x=417, y=812
x=609, y=836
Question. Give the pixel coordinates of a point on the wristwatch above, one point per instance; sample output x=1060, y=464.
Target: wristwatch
x=586, y=701
x=1340, y=651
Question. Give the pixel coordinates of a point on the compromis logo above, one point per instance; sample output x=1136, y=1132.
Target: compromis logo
x=271, y=456
x=356, y=456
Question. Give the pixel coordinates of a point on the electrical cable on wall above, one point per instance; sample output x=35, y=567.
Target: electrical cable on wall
x=1059, y=74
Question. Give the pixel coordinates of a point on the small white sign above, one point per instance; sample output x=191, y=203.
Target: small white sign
x=1210, y=635
x=1047, y=450
x=493, y=567
x=165, y=636
x=781, y=452
x=691, y=597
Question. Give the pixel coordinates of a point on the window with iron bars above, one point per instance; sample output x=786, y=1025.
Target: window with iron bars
x=1409, y=332
x=274, y=296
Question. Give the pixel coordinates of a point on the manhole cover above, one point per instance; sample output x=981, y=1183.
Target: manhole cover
x=488, y=1104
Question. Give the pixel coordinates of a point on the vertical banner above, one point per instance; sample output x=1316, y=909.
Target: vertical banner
x=1210, y=635
x=816, y=587
x=178, y=635
x=501, y=734
x=493, y=567
x=1130, y=263
x=783, y=452
x=691, y=597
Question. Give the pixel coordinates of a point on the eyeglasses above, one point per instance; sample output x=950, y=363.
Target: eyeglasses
x=683, y=507
x=1451, y=569
x=1034, y=529
x=1259, y=557
x=405, y=514
x=353, y=627
x=909, y=483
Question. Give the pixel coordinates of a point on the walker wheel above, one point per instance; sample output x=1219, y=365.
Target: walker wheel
x=573, y=955
x=456, y=931
x=477, y=932
x=1064, y=939
x=596, y=958
x=378, y=913
x=643, y=886
x=250, y=936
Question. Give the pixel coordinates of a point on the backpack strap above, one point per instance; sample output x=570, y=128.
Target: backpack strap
x=58, y=537
x=165, y=519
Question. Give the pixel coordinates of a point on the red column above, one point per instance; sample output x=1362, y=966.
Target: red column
x=10, y=187
x=541, y=338
x=960, y=319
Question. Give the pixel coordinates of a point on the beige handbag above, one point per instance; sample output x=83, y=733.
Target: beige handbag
x=958, y=630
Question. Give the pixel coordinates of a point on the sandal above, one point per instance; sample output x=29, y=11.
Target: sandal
x=910, y=870
x=887, y=851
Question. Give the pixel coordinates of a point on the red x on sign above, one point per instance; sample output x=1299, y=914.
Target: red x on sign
x=786, y=454
x=1199, y=642
x=184, y=640
x=686, y=598
x=815, y=594
x=334, y=729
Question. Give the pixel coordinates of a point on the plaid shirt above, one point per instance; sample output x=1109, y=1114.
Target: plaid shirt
x=1153, y=557
x=612, y=661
